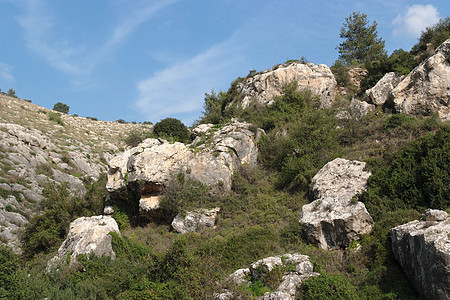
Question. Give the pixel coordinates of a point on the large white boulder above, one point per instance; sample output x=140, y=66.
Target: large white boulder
x=422, y=248
x=195, y=221
x=379, y=94
x=334, y=219
x=87, y=235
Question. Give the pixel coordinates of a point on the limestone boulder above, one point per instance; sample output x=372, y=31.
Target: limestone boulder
x=265, y=86
x=331, y=223
x=195, y=221
x=422, y=248
x=426, y=89
x=340, y=178
x=211, y=159
x=87, y=235
x=334, y=219
x=359, y=109
x=290, y=280
x=379, y=94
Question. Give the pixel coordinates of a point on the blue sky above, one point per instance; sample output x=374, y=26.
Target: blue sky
x=147, y=60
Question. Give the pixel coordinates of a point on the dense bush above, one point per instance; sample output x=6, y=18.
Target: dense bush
x=61, y=107
x=9, y=265
x=172, y=129
x=415, y=177
x=325, y=287
x=60, y=207
x=434, y=35
x=136, y=136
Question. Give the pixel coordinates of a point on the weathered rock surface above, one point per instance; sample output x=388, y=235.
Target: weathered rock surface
x=195, y=221
x=86, y=236
x=379, y=94
x=359, y=109
x=263, y=87
x=290, y=280
x=211, y=159
x=35, y=150
x=340, y=178
x=427, y=88
x=334, y=220
x=423, y=250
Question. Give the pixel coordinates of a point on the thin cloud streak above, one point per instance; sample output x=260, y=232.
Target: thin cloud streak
x=179, y=89
x=6, y=72
x=77, y=61
x=416, y=19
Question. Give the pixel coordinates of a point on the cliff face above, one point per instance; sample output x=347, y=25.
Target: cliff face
x=37, y=146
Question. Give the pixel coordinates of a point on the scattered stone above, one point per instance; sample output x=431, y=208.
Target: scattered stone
x=290, y=280
x=423, y=250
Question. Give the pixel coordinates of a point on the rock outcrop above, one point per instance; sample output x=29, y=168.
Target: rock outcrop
x=36, y=150
x=263, y=87
x=379, y=94
x=422, y=248
x=211, y=159
x=427, y=88
x=87, y=235
x=296, y=269
x=334, y=219
x=195, y=221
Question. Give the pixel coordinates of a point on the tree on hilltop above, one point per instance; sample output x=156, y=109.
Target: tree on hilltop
x=61, y=107
x=361, y=42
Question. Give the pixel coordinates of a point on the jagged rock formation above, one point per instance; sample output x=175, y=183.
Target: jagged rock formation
x=290, y=280
x=34, y=150
x=195, y=221
x=334, y=219
x=379, y=94
x=423, y=250
x=263, y=87
x=86, y=236
x=427, y=88
x=211, y=159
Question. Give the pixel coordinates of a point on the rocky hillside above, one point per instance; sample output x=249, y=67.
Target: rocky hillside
x=292, y=187
x=38, y=146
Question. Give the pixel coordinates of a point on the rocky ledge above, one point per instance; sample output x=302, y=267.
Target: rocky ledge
x=422, y=248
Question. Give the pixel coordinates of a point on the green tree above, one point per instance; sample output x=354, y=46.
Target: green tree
x=61, y=107
x=361, y=42
x=432, y=36
x=12, y=93
x=173, y=129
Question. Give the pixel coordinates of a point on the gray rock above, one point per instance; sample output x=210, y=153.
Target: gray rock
x=379, y=94
x=423, y=250
x=359, y=109
x=264, y=87
x=427, y=88
x=290, y=280
x=211, y=159
x=331, y=223
x=86, y=236
x=195, y=221
x=334, y=220
x=340, y=178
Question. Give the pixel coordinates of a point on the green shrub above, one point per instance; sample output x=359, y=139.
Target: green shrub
x=9, y=265
x=61, y=107
x=172, y=129
x=325, y=287
x=12, y=93
x=135, y=137
x=415, y=177
x=55, y=117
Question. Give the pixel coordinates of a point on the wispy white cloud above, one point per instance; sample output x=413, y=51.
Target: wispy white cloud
x=179, y=89
x=6, y=72
x=41, y=36
x=416, y=19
